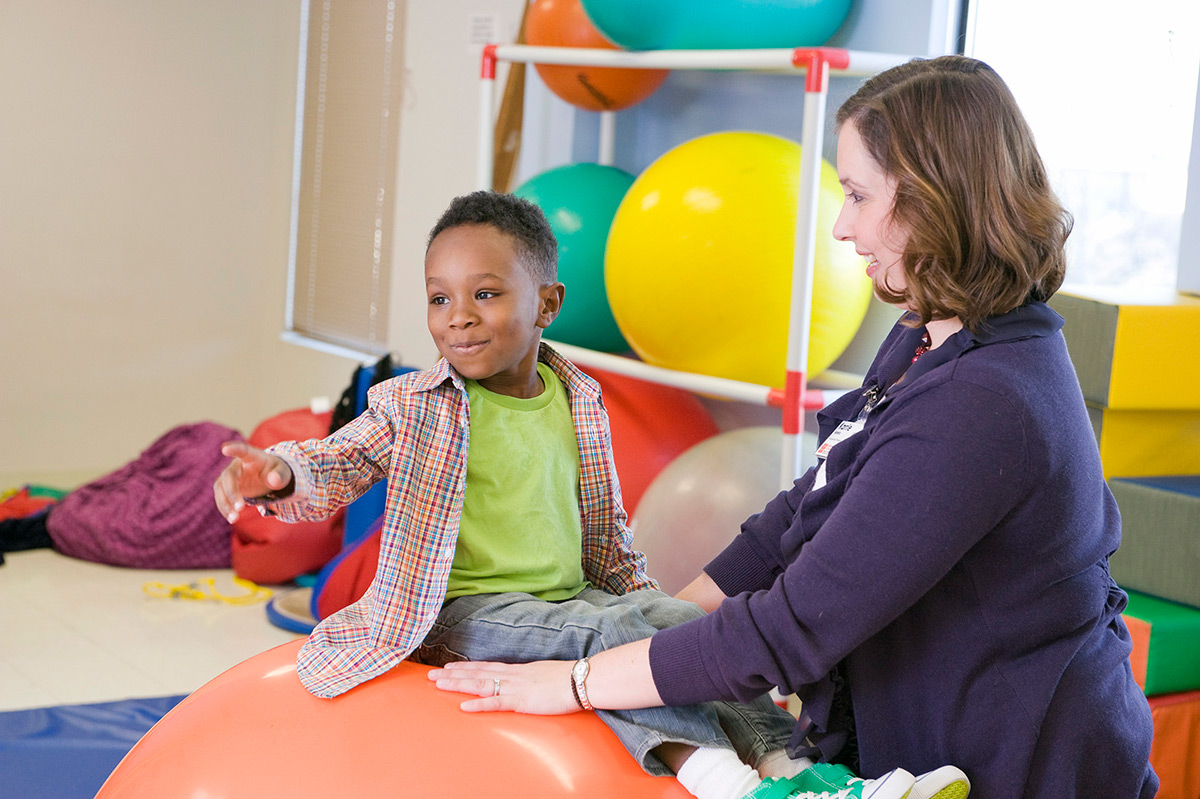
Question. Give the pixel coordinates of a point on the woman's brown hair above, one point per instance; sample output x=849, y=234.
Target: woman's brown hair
x=985, y=230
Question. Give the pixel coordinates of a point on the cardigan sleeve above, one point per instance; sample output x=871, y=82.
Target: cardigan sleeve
x=755, y=557
x=928, y=485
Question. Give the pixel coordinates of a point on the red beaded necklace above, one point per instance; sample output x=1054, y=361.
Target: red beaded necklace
x=923, y=347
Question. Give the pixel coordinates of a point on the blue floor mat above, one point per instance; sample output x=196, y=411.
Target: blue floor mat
x=67, y=752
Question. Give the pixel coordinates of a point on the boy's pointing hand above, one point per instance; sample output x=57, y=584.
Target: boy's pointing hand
x=251, y=473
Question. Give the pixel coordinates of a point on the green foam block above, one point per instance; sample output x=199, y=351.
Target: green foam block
x=1166, y=644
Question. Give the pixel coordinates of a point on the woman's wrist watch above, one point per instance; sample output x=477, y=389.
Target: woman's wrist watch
x=579, y=674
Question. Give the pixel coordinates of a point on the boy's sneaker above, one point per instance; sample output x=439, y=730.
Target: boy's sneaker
x=947, y=782
x=832, y=781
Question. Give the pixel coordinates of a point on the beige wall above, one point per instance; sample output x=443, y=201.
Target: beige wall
x=145, y=185
x=439, y=140
x=145, y=195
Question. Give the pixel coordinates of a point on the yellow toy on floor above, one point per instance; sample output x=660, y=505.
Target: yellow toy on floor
x=206, y=589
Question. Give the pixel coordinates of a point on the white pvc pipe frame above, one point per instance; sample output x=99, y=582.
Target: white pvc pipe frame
x=816, y=63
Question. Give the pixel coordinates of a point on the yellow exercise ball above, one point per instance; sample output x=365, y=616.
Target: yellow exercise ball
x=698, y=265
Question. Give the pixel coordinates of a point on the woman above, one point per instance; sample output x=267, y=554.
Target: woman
x=937, y=589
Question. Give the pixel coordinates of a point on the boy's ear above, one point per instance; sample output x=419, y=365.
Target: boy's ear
x=551, y=296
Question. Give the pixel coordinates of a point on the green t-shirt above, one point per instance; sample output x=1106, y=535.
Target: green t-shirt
x=520, y=527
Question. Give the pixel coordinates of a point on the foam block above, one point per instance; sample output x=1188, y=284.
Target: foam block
x=1146, y=443
x=1175, y=751
x=1166, y=644
x=1160, y=538
x=1135, y=352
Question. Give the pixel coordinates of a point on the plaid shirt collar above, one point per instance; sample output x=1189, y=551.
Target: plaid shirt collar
x=442, y=371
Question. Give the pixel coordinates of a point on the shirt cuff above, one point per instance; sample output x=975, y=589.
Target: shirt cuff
x=297, y=490
x=677, y=665
x=739, y=568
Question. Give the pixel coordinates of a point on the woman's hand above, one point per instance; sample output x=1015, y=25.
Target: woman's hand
x=542, y=687
x=620, y=678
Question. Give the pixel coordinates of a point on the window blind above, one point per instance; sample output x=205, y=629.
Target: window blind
x=348, y=113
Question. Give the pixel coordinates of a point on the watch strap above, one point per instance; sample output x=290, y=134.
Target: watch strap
x=579, y=684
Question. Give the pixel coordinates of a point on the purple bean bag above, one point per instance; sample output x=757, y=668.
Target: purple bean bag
x=156, y=512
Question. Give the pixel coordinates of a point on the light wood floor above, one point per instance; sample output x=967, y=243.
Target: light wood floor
x=73, y=632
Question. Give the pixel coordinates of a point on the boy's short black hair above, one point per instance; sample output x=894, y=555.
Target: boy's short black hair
x=517, y=218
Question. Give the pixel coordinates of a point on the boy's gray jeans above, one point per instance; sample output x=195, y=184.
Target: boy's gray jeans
x=517, y=628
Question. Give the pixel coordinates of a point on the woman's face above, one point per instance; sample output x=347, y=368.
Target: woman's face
x=866, y=217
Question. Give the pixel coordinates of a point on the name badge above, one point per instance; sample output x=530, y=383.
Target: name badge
x=843, y=431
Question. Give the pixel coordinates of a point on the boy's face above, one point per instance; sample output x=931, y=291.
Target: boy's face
x=486, y=311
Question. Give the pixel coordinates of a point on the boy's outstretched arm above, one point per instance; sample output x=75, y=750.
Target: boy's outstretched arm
x=252, y=473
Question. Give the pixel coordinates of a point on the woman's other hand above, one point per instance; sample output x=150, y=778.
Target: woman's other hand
x=542, y=687
x=619, y=678
x=704, y=592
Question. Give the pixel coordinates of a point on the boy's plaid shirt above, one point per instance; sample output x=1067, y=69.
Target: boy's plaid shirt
x=415, y=433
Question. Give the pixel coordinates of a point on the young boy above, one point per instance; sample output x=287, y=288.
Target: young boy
x=505, y=537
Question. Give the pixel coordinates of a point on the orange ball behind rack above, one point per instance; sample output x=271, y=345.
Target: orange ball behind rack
x=563, y=23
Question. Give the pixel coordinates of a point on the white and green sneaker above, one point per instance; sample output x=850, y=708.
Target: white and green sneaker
x=947, y=782
x=832, y=781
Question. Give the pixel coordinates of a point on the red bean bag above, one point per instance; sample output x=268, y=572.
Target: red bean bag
x=266, y=550
x=347, y=577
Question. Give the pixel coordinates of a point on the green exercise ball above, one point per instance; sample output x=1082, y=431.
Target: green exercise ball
x=716, y=24
x=580, y=201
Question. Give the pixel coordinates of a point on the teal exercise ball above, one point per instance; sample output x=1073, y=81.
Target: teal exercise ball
x=580, y=201
x=716, y=24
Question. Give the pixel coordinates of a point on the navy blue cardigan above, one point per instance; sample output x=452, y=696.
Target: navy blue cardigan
x=945, y=596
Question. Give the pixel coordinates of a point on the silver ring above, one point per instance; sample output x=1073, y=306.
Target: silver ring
x=496, y=686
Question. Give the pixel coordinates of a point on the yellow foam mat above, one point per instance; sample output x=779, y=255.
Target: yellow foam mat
x=1147, y=443
x=1138, y=352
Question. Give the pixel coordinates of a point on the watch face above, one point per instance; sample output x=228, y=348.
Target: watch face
x=580, y=671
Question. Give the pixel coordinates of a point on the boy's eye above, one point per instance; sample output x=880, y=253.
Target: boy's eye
x=438, y=300
x=484, y=295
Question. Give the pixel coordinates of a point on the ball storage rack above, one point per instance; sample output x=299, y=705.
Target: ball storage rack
x=815, y=64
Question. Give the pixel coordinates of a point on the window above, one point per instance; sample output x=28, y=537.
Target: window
x=1109, y=88
x=348, y=113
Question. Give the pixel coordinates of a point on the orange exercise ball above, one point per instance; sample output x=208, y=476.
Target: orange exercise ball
x=254, y=731
x=563, y=23
x=651, y=425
